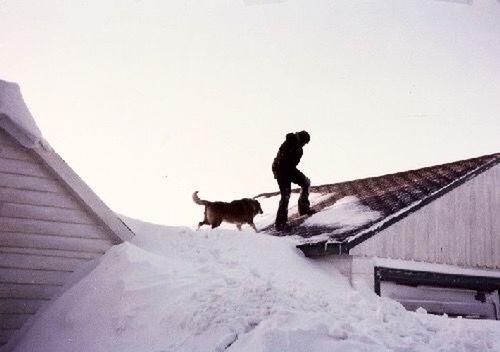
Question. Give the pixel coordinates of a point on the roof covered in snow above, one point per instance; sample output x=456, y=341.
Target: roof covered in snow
x=16, y=119
x=351, y=212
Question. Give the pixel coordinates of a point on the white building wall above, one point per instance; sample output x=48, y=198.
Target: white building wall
x=45, y=234
x=460, y=228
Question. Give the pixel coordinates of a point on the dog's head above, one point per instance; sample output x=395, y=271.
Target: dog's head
x=257, y=209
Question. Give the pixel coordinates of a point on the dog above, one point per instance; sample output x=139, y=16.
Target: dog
x=239, y=212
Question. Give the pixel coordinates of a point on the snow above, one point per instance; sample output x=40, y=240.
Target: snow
x=270, y=206
x=16, y=119
x=347, y=213
x=176, y=289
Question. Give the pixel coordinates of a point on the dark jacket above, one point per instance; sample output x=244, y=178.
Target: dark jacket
x=288, y=156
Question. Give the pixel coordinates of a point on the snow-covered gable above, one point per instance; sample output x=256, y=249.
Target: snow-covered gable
x=18, y=122
x=51, y=222
x=16, y=119
x=356, y=210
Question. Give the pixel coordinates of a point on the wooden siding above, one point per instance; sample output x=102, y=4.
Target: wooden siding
x=29, y=240
x=115, y=228
x=10, y=151
x=6, y=140
x=13, y=321
x=54, y=228
x=30, y=183
x=23, y=211
x=39, y=262
x=45, y=234
x=34, y=277
x=28, y=291
x=460, y=228
x=36, y=197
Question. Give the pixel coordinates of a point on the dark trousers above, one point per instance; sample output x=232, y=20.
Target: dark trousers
x=285, y=185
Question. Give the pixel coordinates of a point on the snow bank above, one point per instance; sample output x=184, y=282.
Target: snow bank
x=347, y=213
x=16, y=119
x=174, y=289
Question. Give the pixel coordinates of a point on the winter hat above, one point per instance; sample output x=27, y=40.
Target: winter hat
x=304, y=137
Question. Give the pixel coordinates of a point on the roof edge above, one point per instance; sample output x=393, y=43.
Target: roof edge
x=119, y=231
x=323, y=248
x=322, y=186
x=16, y=119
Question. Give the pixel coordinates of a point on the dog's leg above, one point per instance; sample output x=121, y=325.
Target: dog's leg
x=216, y=224
x=200, y=224
x=238, y=226
x=253, y=225
x=205, y=220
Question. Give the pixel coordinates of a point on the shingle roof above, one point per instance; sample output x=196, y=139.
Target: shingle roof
x=394, y=196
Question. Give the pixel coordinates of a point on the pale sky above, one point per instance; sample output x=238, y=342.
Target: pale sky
x=149, y=101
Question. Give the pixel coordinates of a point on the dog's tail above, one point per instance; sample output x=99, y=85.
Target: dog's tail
x=199, y=201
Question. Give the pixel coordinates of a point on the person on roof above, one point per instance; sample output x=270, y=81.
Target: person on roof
x=285, y=172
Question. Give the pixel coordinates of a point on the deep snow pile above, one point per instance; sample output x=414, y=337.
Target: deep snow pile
x=174, y=289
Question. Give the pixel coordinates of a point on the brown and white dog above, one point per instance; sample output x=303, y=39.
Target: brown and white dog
x=239, y=212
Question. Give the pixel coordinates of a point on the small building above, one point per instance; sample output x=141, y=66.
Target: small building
x=51, y=222
x=427, y=238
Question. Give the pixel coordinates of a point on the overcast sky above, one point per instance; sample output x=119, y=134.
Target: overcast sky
x=151, y=100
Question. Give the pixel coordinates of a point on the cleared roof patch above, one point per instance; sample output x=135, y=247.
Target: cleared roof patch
x=346, y=213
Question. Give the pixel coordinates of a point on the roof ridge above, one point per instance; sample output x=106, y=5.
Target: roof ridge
x=496, y=159
x=495, y=156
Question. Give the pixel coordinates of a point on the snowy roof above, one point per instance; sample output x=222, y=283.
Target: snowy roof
x=16, y=119
x=356, y=210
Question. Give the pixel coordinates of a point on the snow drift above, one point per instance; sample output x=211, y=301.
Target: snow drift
x=175, y=289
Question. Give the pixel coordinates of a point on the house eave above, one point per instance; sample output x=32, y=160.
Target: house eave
x=323, y=248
